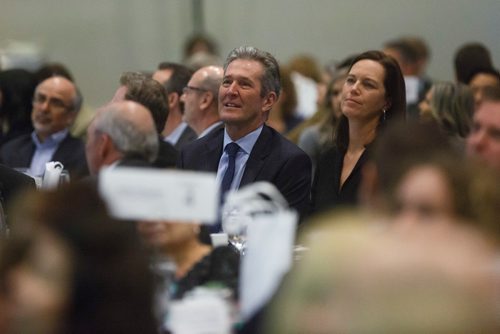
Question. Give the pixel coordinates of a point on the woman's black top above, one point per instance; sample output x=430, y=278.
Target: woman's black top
x=326, y=191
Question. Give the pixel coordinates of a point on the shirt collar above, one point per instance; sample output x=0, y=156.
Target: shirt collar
x=53, y=139
x=247, y=142
x=210, y=128
x=174, y=136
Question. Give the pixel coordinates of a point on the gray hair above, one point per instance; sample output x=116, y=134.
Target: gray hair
x=131, y=140
x=271, y=79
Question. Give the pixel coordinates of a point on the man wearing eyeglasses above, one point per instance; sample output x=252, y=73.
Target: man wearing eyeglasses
x=55, y=106
x=200, y=97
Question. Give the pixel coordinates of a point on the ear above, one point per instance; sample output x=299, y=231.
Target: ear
x=173, y=100
x=269, y=101
x=206, y=100
x=106, y=147
x=70, y=118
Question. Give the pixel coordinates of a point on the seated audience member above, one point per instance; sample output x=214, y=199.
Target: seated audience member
x=247, y=150
x=284, y=117
x=483, y=143
x=148, y=92
x=82, y=121
x=412, y=55
x=12, y=184
x=121, y=133
x=196, y=263
x=419, y=178
x=480, y=79
x=470, y=57
x=322, y=109
x=55, y=105
x=451, y=105
x=174, y=77
x=433, y=191
x=358, y=277
x=445, y=190
x=16, y=95
x=67, y=267
x=373, y=96
x=201, y=100
x=317, y=138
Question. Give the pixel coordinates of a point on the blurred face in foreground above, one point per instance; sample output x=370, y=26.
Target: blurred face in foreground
x=424, y=196
x=483, y=141
x=39, y=286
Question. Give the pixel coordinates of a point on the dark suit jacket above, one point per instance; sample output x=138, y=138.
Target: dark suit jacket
x=187, y=136
x=18, y=153
x=12, y=182
x=273, y=159
x=167, y=155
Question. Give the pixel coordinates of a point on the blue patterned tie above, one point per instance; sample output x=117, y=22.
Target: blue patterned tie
x=231, y=150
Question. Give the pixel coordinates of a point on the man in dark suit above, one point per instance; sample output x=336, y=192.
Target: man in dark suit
x=174, y=77
x=201, y=100
x=121, y=133
x=139, y=88
x=250, y=87
x=55, y=105
x=12, y=183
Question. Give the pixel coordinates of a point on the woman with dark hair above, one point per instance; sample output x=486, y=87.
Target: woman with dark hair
x=373, y=95
x=67, y=267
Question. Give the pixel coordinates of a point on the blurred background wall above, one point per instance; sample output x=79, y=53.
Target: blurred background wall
x=99, y=39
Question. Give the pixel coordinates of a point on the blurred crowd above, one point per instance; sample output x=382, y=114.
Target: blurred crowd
x=395, y=178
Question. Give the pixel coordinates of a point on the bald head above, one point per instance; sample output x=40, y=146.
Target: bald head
x=201, y=101
x=119, y=130
x=131, y=112
x=210, y=77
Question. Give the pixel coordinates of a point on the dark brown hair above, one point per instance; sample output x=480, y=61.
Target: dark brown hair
x=394, y=89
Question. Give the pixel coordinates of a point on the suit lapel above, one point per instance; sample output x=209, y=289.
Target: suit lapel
x=213, y=150
x=256, y=160
x=62, y=149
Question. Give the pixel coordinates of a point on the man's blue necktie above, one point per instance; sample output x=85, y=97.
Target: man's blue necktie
x=231, y=150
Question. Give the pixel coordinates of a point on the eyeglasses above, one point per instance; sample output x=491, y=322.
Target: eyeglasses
x=54, y=103
x=186, y=89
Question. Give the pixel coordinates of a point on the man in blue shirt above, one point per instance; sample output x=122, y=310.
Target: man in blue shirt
x=56, y=103
x=246, y=148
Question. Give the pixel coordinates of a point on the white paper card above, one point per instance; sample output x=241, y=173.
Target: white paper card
x=154, y=194
x=268, y=257
x=200, y=315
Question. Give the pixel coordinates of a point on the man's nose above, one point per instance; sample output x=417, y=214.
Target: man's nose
x=233, y=88
x=355, y=87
